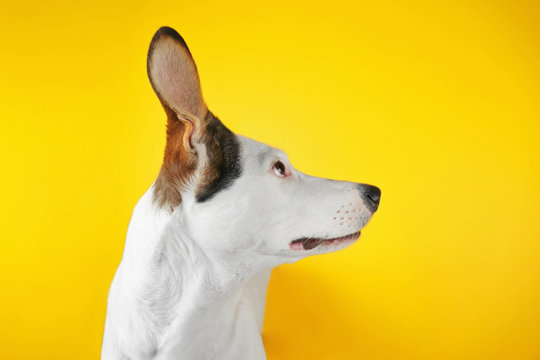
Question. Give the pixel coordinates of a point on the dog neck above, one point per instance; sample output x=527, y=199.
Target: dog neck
x=178, y=298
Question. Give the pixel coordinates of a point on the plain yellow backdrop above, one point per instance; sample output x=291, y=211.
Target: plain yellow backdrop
x=437, y=103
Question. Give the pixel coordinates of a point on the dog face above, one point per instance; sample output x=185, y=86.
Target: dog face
x=237, y=195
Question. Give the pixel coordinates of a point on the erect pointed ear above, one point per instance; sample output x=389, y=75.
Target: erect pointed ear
x=173, y=75
x=190, y=127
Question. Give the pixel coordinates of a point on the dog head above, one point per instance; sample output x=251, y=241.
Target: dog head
x=237, y=195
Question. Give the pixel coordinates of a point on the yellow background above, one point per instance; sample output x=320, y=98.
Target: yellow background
x=438, y=104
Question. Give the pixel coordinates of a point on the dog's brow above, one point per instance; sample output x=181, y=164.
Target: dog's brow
x=263, y=156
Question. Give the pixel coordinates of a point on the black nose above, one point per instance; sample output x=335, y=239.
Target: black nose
x=371, y=195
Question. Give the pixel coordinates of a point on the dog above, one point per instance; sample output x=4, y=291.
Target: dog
x=202, y=241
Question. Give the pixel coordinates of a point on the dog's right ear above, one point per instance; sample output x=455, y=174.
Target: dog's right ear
x=174, y=78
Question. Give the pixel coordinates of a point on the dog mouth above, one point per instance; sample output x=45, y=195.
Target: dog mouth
x=312, y=243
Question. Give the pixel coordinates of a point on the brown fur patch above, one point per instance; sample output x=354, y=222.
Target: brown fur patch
x=179, y=164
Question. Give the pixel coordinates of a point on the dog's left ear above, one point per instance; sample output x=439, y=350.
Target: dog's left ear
x=192, y=130
x=173, y=75
x=174, y=78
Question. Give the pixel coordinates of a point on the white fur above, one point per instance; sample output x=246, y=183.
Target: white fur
x=192, y=283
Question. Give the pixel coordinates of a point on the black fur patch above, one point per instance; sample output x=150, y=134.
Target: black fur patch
x=223, y=166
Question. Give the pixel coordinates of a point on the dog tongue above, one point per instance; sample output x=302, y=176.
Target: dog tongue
x=310, y=243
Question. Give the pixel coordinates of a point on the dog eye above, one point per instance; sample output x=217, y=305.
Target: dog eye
x=279, y=169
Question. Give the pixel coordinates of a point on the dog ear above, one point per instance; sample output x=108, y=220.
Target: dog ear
x=192, y=130
x=174, y=78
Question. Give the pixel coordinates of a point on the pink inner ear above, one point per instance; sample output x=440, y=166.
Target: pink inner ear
x=174, y=75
